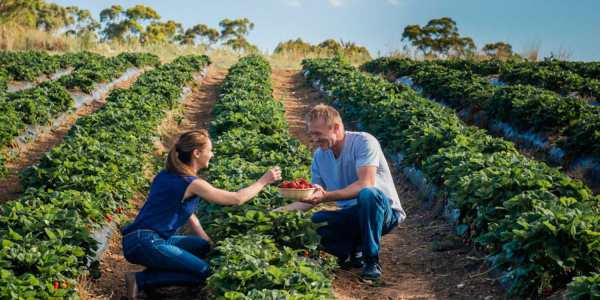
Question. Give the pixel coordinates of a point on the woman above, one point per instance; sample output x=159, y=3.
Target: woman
x=151, y=241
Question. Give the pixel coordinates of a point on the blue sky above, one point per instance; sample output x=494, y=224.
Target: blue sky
x=553, y=25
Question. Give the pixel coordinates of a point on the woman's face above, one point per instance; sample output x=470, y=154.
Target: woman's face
x=203, y=156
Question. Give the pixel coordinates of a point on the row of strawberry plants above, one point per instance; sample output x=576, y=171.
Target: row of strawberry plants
x=551, y=78
x=98, y=69
x=74, y=190
x=585, y=69
x=42, y=104
x=29, y=65
x=538, y=225
x=561, y=77
x=566, y=122
x=259, y=254
x=492, y=67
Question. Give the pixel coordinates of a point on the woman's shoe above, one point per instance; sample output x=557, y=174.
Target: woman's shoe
x=131, y=286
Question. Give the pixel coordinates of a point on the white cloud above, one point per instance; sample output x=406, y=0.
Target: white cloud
x=293, y=3
x=335, y=3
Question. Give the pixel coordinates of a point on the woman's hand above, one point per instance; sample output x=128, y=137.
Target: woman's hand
x=271, y=176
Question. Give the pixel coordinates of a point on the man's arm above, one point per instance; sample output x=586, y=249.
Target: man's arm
x=366, y=171
x=366, y=178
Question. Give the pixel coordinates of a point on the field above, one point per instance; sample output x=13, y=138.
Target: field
x=496, y=163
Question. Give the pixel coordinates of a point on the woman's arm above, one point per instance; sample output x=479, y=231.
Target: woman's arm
x=207, y=192
x=197, y=227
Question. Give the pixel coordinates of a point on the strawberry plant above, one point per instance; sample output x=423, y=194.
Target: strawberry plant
x=28, y=65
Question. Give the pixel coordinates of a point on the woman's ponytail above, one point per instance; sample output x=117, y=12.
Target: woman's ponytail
x=180, y=155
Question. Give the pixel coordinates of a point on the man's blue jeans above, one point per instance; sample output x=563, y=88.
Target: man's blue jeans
x=175, y=261
x=357, y=227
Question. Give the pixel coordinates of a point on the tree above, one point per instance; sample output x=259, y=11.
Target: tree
x=122, y=24
x=200, y=31
x=234, y=32
x=498, y=50
x=294, y=46
x=439, y=36
x=331, y=45
x=161, y=33
x=36, y=14
x=84, y=22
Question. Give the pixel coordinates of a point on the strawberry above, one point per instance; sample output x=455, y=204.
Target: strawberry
x=108, y=218
x=118, y=210
x=305, y=253
x=55, y=285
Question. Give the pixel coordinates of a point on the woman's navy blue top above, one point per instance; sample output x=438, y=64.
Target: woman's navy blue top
x=164, y=211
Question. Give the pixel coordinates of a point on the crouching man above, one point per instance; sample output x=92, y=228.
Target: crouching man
x=350, y=169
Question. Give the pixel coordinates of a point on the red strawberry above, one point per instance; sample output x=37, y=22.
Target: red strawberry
x=294, y=185
x=118, y=210
x=305, y=253
x=56, y=285
x=108, y=218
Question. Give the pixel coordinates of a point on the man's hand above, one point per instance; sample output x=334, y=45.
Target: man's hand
x=318, y=187
x=317, y=197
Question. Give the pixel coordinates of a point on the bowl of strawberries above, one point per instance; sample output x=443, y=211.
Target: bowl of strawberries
x=296, y=190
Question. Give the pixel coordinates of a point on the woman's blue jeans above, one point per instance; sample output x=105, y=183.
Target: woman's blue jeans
x=175, y=261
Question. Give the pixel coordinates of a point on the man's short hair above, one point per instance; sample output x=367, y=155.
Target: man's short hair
x=323, y=112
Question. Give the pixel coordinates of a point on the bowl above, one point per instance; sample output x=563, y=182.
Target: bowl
x=296, y=194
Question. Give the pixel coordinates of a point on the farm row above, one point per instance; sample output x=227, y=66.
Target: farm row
x=541, y=228
x=566, y=128
x=79, y=185
x=41, y=104
x=259, y=254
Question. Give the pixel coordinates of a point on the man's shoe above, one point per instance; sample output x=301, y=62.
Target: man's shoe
x=131, y=286
x=372, y=271
x=357, y=261
x=354, y=262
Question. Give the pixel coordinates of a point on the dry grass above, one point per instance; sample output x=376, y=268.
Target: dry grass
x=13, y=37
x=16, y=38
x=292, y=61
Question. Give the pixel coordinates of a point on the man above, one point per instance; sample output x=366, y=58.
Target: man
x=350, y=169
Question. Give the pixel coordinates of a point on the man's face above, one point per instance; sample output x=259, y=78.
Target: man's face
x=323, y=135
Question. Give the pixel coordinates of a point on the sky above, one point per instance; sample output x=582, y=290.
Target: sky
x=553, y=26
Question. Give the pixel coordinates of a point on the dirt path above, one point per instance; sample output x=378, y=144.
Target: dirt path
x=196, y=114
x=30, y=153
x=411, y=269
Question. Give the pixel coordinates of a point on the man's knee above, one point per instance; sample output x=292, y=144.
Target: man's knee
x=368, y=195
